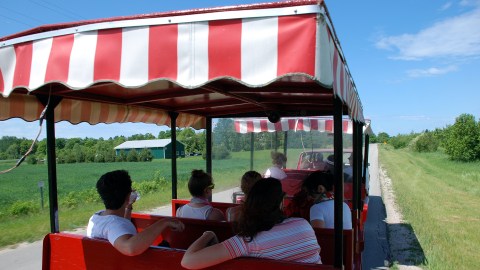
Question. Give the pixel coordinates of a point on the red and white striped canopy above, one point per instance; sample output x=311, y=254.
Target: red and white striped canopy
x=251, y=45
x=294, y=124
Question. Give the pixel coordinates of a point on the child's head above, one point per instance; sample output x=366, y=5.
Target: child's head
x=199, y=182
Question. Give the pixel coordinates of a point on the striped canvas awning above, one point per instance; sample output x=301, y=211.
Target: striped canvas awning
x=294, y=124
x=136, y=69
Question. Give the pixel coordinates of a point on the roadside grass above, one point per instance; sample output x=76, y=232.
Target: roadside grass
x=440, y=198
x=21, y=184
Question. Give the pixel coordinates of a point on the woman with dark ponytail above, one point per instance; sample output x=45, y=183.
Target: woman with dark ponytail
x=263, y=232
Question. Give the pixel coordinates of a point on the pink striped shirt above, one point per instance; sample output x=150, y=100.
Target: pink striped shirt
x=291, y=240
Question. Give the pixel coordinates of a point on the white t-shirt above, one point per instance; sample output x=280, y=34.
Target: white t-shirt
x=187, y=211
x=275, y=172
x=109, y=227
x=324, y=211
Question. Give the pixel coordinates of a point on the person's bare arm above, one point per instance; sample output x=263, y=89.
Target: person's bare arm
x=205, y=252
x=132, y=245
x=317, y=223
x=216, y=214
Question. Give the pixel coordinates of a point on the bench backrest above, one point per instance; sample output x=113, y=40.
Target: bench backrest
x=71, y=251
x=177, y=203
x=224, y=230
x=194, y=229
x=326, y=239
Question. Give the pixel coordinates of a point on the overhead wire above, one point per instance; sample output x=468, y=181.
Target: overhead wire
x=24, y=156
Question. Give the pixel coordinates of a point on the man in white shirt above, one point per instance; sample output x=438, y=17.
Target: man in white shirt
x=113, y=223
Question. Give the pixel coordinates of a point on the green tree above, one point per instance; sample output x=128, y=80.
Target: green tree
x=224, y=132
x=13, y=151
x=383, y=137
x=121, y=157
x=462, y=139
x=165, y=134
x=78, y=153
x=132, y=156
x=425, y=142
x=145, y=155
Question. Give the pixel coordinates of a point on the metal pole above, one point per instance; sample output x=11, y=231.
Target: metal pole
x=173, y=132
x=354, y=166
x=209, y=145
x=365, y=160
x=252, y=149
x=40, y=185
x=358, y=169
x=338, y=173
x=285, y=138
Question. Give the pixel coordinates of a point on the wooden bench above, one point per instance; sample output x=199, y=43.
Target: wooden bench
x=71, y=251
x=224, y=230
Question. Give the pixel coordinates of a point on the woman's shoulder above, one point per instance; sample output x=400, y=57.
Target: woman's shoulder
x=295, y=221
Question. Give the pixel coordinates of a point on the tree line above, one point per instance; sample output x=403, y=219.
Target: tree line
x=225, y=141
x=460, y=141
x=78, y=150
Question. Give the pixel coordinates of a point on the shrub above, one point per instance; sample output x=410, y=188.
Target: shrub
x=31, y=159
x=220, y=152
x=145, y=155
x=425, y=142
x=132, y=156
x=70, y=201
x=23, y=208
x=401, y=140
x=462, y=139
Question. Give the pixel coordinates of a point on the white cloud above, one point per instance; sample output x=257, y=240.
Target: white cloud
x=429, y=72
x=446, y=6
x=451, y=38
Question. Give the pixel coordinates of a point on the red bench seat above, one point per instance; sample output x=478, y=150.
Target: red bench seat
x=71, y=251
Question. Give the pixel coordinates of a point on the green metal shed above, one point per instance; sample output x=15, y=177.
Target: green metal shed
x=161, y=148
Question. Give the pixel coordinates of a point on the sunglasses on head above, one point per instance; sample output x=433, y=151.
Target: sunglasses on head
x=211, y=186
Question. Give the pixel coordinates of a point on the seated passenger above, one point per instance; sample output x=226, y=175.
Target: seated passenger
x=279, y=162
x=263, y=232
x=318, y=163
x=330, y=164
x=348, y=169
x=114, y=223
x=200, y=186
x=300, y=204
x=246, y=183
x=306, y=162
x=319, y=185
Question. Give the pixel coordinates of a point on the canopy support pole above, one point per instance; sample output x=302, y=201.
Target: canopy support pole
x=285, y=137
x=208, y=143
x=51, y=102
x=357, y=189
x=338, y=173
x=173, y=129
x=252, y=148
x=365, y=161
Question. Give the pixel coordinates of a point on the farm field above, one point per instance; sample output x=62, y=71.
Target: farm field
x=440, y=200
x=21, y=185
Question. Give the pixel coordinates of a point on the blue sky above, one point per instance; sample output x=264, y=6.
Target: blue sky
x=416, y=64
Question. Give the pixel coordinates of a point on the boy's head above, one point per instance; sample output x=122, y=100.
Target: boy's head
x=114, y=188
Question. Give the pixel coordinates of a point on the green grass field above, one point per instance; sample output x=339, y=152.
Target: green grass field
x=440, y=199
x=22, y=184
